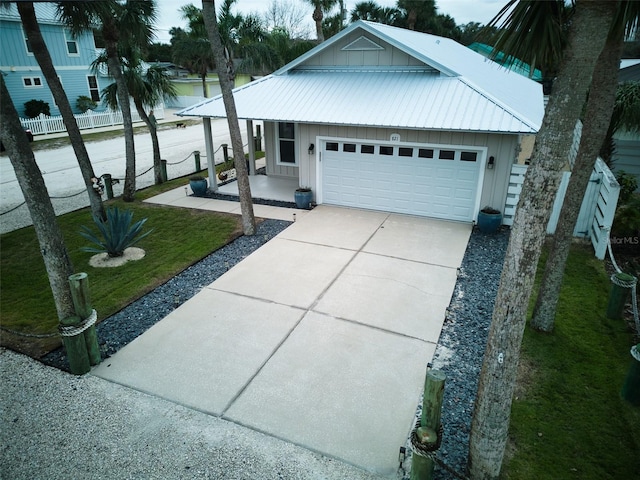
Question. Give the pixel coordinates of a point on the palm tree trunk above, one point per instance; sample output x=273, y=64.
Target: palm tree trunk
x=52, y=247
x=490, y=423
x=110, y=33
x=244, y=188
x=317, y=18
x=602, y=96
x=41, y=52
x=153, y=131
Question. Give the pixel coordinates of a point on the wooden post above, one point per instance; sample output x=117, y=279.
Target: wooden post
x=196, y=156
x=108, y=185
x=422, y=466
x=79, y=283
x=163, y=170
x=76, y=348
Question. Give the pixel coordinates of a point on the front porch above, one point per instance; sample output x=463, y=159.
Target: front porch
x=265, y=188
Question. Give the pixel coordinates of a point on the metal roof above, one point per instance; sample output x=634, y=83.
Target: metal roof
x=410, y=100
x=46, y=12
x=457, y=89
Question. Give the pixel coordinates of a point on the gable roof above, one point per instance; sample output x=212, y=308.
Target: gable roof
x=450, y=88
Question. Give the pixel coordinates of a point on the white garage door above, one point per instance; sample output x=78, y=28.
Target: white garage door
x=417, y=180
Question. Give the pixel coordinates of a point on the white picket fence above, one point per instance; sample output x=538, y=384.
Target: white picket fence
x=597, y=210
x=90, y=119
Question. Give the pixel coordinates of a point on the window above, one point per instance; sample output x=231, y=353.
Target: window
x=332, y=146
x=349, y=147
x=72, y=45
x=447, y=154
x=468, y=156
x=94, y=91
x=405, y=152
x=386, y=150
x=287, y=143
x=425, y=153
x=27, y=44
x=32, y=82
x=367, y=149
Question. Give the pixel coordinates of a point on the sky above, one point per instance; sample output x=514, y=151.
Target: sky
x=463, y=11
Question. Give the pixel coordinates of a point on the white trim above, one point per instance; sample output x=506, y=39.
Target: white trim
x=24, y=41
x=482, y=160
x=36, y=68
x=90, y=88
x=67, y=40
x=33, y=83
x=295, y=145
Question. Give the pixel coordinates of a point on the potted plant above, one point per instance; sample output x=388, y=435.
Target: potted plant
x=303, y=197
x=489, y=220
x=198, y=185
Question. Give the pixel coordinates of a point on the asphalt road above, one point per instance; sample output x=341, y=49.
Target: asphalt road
x=63, y=178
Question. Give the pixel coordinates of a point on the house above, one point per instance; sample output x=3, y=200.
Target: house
x=383, y=118
x=71, y=57
x=626, y=155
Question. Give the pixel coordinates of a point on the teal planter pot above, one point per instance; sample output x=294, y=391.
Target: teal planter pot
x=198, y=186
x=489, y=220
x=303, y=198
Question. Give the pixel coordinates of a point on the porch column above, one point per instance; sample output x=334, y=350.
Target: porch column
x=211, y=163
x=252, y=148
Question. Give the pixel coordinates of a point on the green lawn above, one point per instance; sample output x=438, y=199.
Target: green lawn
x=180, y=238
x=568, y=418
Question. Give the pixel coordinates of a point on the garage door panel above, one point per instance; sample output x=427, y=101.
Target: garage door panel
x=412, y=185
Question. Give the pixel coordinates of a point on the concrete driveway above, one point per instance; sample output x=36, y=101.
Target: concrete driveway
x=321, y=337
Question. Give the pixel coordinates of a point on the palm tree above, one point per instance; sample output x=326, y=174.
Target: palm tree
x=490, y=423
x=366, y=11
x=597, y=119
x=130, y=22
x=41, y=52
x=272, y=52
x=626, y=115
x=320, y=7
x=147, y=87
x=54, y=252
x=544, y=31
x=226, y=85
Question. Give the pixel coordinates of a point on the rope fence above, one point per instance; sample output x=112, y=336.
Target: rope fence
x=632, y=284
x=117, y=180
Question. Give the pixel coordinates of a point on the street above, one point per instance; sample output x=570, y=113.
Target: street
x=63, y=178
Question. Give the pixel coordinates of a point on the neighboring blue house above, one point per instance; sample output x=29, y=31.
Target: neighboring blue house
x=72, y=58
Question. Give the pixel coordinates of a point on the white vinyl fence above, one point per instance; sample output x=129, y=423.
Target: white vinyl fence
x=90, y=119
x=596, y=212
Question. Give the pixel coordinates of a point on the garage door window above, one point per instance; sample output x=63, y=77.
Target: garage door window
x=332, y=146
x=349, y=147
x=425, y=153
x=386, y=150
x=468, y=156
x=367, y=149
x=447, y=155
x=405, y=152
x=286, y=143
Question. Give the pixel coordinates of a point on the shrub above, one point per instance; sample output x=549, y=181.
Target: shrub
x=84, y=103
x=33, y=108
x=117, y=233
x=628, y=185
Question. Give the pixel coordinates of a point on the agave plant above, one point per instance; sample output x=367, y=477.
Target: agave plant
x=117, y=233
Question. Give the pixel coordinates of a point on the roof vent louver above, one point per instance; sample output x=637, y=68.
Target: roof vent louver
x=362, y=43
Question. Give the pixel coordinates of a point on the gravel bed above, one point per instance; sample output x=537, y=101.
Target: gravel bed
x=461, y=346
x=121, y=328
